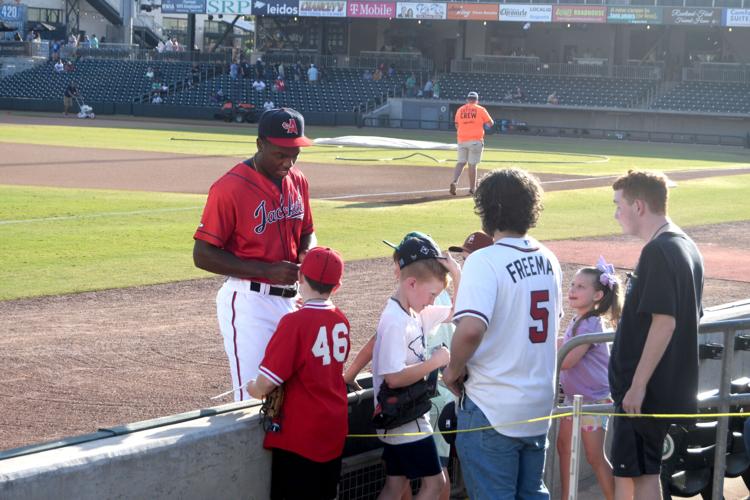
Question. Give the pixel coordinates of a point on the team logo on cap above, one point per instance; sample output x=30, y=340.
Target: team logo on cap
x=290, y=126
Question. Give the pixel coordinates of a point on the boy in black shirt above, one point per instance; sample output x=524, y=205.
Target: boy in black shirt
x=654, y=362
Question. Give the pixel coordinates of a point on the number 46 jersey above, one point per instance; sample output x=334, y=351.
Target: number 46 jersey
x=514, y=287
x=307, y=354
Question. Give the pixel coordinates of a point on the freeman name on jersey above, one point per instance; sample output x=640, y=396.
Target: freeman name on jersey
x=526, y=267
x=294, y=209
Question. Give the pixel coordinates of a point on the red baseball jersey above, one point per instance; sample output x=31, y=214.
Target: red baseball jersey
x=307, y=354
x=247, y=215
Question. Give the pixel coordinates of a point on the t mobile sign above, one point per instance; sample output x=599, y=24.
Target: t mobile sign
x=383, y=10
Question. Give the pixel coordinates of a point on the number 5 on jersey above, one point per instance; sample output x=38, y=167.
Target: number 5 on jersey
x=536, y=335
x=340, y=340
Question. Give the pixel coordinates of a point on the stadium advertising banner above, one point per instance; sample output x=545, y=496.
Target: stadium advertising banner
x=322, y=8
x=634, y=15
x=275, y=7
x=692, y=16
x=236, y=7
x=382, y=10
x=526, y=13
x=14, y=15
x=421, y=10
x=183, y=6
x=579, y=14
x=736, y=17
x=473, y=11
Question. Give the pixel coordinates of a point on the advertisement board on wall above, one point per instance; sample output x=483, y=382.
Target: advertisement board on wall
x=236, y=7
x=383, y=10
x=692, y=16
x=183, y=6
x=736, y=17
x=526, y=13
x=14, y=15
x=322, y=8
x=634, y=15
x=473, y=11
x=275, y=7
x=420, y=10
x=579, y=14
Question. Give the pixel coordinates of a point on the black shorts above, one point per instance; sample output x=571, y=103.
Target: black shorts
x=413, y=460
x=294, y=477
x=637, y=445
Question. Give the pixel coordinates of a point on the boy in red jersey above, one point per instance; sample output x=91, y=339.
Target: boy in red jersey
x=307, y=354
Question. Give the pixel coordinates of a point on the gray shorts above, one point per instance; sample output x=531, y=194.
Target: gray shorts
x=470, y=152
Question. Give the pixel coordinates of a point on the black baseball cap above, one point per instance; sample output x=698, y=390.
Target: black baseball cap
x=283, y=127
x=415, y=246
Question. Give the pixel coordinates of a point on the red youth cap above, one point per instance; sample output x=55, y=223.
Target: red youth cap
x=323, y=265
x=473, y=242
x=283, y=127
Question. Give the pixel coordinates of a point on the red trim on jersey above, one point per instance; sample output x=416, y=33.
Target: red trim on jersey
x=526, y=250
x=234, y=339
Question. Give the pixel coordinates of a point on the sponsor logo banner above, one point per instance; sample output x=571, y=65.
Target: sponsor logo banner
x=420, y=10
x=276, y=7
x=473, y=11
x=692, y=16
x=737, y=17
x=383, y=10
x=322, y=8
x=523, y=12
x=579, y=14
x=183, y=6
x=634, y=15
x=236, y=7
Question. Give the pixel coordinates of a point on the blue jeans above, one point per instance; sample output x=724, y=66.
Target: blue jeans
x=498, y=467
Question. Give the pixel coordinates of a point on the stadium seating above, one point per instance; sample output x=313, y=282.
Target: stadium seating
x=571, y=91
x=96, y=79
x=341, y=90
x=707, y=97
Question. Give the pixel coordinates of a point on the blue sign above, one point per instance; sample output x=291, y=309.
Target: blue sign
x=14, y=16
x=276, y=7
x=183, y=6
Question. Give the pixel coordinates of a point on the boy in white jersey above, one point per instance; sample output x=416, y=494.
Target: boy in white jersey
x=399, y=361
x=503, y=351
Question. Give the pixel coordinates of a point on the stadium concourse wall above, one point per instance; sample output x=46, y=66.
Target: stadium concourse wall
x=438, y=114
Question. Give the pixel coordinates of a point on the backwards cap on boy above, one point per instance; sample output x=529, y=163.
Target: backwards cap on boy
x=414, y=247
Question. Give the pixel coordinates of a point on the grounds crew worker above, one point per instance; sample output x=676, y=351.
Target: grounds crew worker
x=470, y=121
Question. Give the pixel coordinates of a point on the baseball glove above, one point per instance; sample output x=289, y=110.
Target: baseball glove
x=270, y=410
x=404, y=404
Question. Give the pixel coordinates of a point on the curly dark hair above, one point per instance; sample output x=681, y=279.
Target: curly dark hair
x=508, y=200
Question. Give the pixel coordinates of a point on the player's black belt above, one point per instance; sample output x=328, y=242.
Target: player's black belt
x=275, y=290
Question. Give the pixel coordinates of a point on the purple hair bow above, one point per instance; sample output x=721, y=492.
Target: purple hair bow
x=607, y=278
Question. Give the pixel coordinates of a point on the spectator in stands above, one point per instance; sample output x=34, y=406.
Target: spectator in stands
x=17, y=37
x=268, y=105
x=70, y=92
x=73, y=40
x=59, y=67
x=69, y=67
x=313, y=74
x=508, y=96
x=428, y=88
x=259, y=85
x=29, y=36
x=168, y=45
x=411, y=85
x=150, y=73
x=259, y=67
x=519, y=95
x=366, y=75
x=160, y=47
x=195, y=74
x=86, y=42
x=56, y=50
x=218, y=97
x=94, y=41
x=279, y=85
x=270, y=72
x=391, y=71
x=377, y=75
x=36, y=38
x=234, y=70
x=436, y=90
x=553, y=99
x=176, y=47
x=157, y=99
x=281, y=71
x=297, y=70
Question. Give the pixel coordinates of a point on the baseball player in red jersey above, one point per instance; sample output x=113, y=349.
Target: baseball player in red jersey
x=255, y=229
x=307, y=355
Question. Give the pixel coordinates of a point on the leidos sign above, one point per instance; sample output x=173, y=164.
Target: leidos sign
x=275, y=7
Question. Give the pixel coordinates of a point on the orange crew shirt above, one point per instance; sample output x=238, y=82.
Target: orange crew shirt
x=470, y=120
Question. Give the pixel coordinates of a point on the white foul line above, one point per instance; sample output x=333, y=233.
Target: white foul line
x=427, y=191
x=100, y=214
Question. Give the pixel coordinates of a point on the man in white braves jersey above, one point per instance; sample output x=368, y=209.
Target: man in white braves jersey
x=502, y=364
x=255, y=229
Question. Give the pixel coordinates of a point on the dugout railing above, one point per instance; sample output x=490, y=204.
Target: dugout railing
x=734, y=333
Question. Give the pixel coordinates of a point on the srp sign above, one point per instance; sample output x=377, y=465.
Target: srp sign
x=236, y=7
